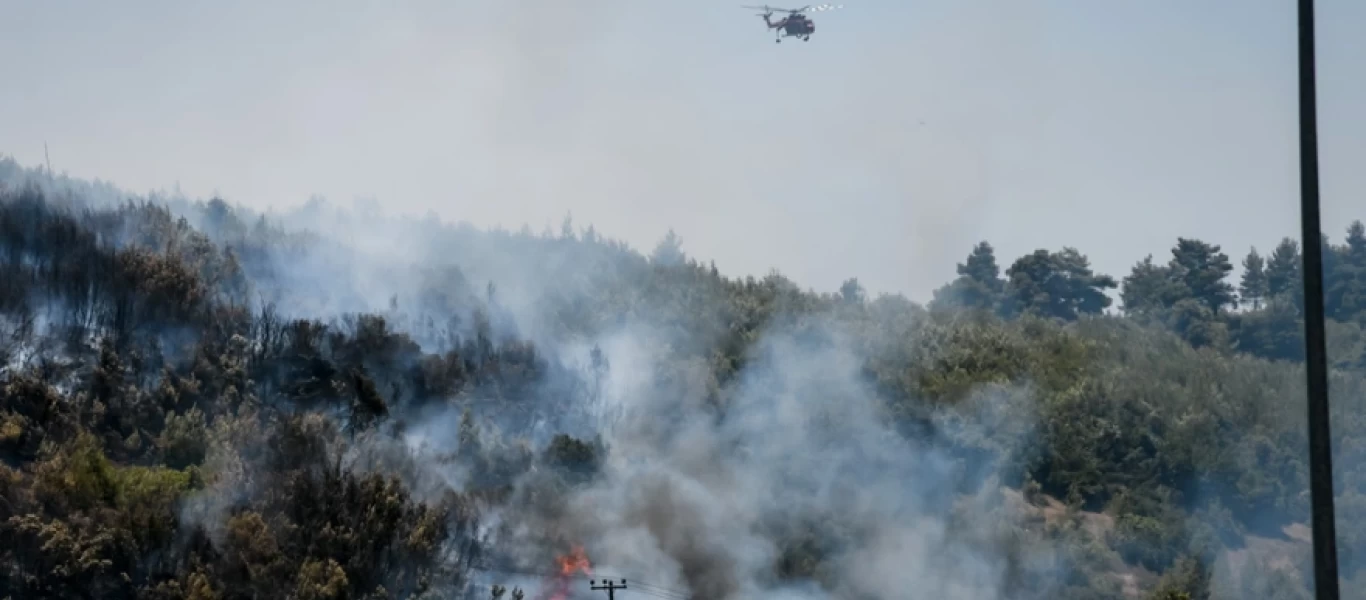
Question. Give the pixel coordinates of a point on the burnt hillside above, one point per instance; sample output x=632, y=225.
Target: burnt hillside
x=200, y=402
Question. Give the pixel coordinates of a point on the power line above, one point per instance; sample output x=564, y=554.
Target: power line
x=660, y=592
x=1315, y=338
x=609, y=586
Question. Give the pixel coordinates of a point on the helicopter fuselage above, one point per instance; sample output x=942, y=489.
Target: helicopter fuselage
x=798, y=26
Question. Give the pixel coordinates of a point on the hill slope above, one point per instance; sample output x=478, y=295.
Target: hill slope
x=199, y=402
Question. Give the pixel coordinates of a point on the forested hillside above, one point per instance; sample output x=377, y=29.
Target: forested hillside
x=199, y=402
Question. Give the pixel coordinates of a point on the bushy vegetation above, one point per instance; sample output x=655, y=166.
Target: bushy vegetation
x=165, y=433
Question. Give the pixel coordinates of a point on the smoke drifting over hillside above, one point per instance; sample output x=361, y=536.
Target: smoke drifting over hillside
x=702, y=437
x=702, y=483
x=696, y=498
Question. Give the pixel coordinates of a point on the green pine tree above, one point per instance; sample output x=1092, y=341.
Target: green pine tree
x=1253, y=287
x=1345, y=286
x=1147, y=288
x=1202, y=269
x=1283, y=269
x=1060, y=285
x=979, y=284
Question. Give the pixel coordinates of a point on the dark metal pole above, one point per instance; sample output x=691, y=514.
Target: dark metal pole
x=1315, y=350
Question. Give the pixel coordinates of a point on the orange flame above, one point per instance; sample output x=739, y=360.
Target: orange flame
x=574, y=562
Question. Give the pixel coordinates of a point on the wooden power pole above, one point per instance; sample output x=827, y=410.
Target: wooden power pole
x=609, y=586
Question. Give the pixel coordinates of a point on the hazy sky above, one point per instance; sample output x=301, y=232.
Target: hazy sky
x=901, y=134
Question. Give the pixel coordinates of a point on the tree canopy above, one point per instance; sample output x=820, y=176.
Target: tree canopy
x=190, y=409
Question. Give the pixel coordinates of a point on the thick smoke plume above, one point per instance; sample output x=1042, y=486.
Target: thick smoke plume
x=708, y=499
x=786, y=478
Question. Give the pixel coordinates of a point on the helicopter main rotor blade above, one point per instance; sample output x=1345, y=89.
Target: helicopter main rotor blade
x=770, y=9
x=807, y=8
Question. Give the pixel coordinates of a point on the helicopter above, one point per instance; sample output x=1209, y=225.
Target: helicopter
x=795, y=24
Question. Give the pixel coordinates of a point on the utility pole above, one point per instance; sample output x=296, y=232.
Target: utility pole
x=1316, y=353
x=609, y=586
x=48, y=159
